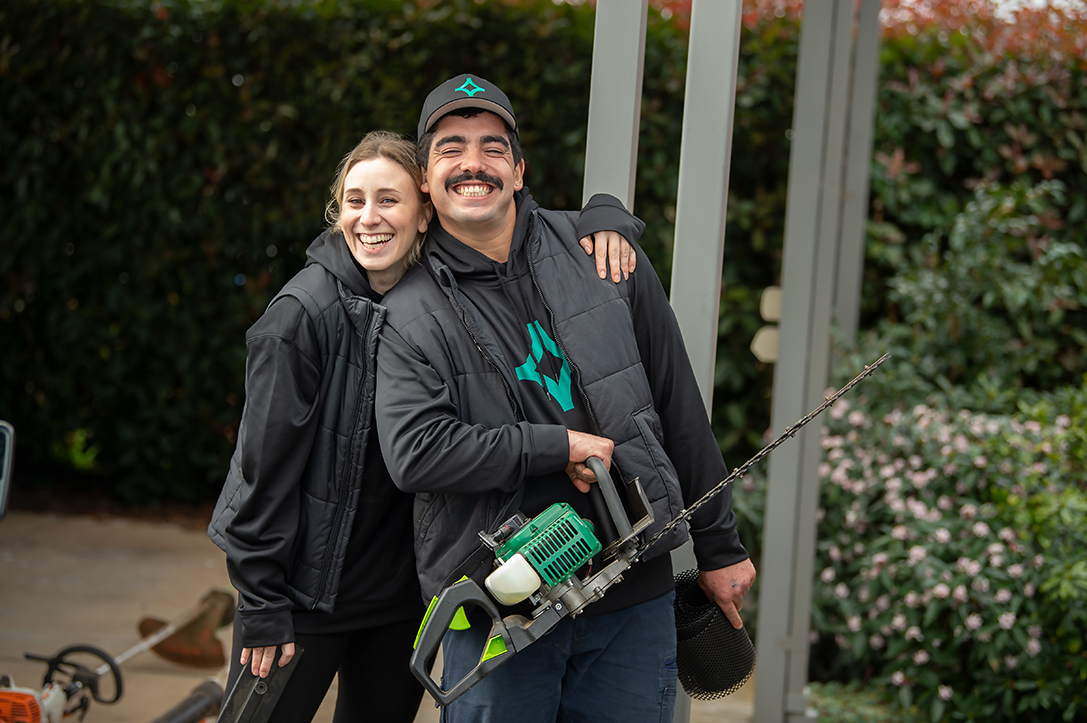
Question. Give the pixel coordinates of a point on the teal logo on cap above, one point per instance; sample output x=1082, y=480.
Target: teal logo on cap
x=469, y=88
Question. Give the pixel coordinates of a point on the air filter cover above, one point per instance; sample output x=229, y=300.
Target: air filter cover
x=714, y=658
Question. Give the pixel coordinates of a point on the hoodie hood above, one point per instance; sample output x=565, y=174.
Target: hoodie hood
x=465, y=262
x=330, y=251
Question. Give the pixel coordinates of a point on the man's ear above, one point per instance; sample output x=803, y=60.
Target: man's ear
x=519, y=175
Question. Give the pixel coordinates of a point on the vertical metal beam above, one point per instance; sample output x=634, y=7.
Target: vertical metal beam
x=709, y=104
x=858, y=165
x=615, y=99
x=802, y=372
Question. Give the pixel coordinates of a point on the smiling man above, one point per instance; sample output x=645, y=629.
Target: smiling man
x=504, y=363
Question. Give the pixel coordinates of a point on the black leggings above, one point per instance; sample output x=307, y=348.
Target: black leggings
x=375, y=682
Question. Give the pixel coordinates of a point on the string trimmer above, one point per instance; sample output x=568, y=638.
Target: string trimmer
x=78, y=674
x=538, y=560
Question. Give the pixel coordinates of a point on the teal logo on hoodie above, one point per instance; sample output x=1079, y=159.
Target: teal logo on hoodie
x=559, y=389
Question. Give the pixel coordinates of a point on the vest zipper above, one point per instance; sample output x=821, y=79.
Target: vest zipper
x=345, y=481
x=490, y=360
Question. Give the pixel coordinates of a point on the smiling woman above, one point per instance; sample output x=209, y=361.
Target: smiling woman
x=379, y=208
x=383, y=218
x=317, y=539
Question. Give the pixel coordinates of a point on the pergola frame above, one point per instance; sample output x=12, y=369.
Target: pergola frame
x=821, y=268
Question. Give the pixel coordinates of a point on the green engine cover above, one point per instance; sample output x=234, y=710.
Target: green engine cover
x=556, y=542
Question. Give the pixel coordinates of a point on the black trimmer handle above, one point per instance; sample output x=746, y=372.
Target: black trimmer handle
x=436, y=624
x=611, y=498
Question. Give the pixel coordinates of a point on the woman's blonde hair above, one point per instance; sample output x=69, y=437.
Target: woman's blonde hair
x=379, y=144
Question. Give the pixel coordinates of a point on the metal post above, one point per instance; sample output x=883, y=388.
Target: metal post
x=802, y=371
x=858, y=164
x=615, y=99
x=705, y=154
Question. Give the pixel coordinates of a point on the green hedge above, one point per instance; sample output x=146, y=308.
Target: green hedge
x=165, y=166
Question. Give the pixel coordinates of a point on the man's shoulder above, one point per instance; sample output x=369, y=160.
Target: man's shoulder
x=415, y=295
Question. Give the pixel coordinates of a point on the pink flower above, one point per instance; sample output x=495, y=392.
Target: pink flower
x=899, y=622
x=1010, y=661
x=854, y=623
x=941, y=591
x=1033, y=647
x=944, y=691
x=942, y=536
x=980, y=529
x=1002, y=596
x=973, y=621
x=898, y=678
x=960, y=595
x=841, y=591
x=968, y=511
x=1007, y=620
x=876, y=642
x=1015, y=570
x=914, y=633
x=827, y=575
x=920, y=657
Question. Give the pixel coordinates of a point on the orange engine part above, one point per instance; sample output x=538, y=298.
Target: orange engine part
x=17, y=706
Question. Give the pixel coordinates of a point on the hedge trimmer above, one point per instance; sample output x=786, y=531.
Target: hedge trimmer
x=538, y=560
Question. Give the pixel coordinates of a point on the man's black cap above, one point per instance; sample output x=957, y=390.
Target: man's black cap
x=465, y=91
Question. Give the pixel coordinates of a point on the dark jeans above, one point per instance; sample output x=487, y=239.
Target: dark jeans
x=375, y=683
x=619, y=667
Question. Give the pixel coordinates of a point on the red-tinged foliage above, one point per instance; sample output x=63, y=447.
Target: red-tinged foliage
x=1055, y=29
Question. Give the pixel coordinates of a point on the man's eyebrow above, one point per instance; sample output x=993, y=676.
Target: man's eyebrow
x=495, y=139
x=449, y=139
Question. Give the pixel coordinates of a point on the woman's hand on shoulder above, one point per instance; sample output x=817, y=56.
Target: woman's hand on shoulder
x=611, y=249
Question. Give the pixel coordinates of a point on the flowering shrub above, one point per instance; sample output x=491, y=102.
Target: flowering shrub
x=950, y=557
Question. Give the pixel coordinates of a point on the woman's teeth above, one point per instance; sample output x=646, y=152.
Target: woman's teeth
x=375, y=241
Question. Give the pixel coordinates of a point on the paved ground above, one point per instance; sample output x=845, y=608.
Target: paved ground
x=66, y=580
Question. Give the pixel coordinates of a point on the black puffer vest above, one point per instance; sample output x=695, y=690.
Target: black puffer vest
x=347, y=327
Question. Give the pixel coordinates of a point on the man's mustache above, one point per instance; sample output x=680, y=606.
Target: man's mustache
x=479, y=176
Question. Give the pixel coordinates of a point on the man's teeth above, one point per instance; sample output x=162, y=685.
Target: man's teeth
x=473, y=190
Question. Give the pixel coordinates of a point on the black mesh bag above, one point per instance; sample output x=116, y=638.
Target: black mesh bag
x=714, y=658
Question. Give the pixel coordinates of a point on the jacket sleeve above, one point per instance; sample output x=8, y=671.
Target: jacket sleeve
x=606, y=213
x=428, y=449
x=276, y=434
x=689, y=439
